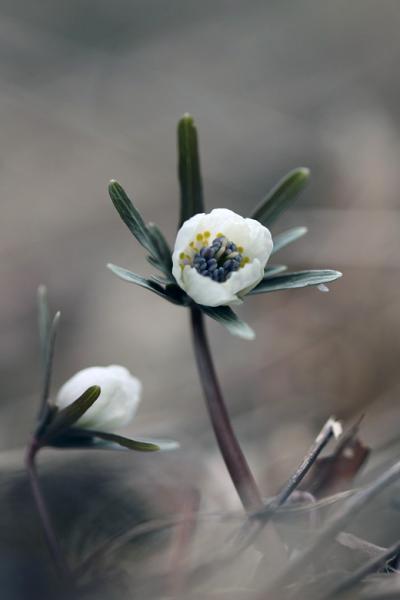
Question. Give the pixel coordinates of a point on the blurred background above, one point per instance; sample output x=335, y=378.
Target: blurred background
x=92, y=90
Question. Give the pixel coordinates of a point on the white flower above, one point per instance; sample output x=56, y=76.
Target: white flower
x=219, y=257
x=117, y=403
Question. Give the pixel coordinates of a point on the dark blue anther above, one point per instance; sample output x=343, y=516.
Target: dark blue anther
x=216, y=261
x=209, y=253
x=228, y=264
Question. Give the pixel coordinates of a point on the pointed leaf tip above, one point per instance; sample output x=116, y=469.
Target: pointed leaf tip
x=280, y=197
x=112, y=441
x=42, y=290
x=189, y=171
x=288, y=237
x=225, y=316
x=66, y=417
x=187, y=117
x=294, y=280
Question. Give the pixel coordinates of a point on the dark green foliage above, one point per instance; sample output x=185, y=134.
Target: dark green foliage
x=281, y=196
x=189, y=171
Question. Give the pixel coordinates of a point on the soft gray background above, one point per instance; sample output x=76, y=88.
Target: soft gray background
x=92, y=90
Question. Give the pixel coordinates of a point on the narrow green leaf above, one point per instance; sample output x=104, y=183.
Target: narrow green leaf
x=163, y=251
x=160, y=279
x=226, y=316
x=189, y=171
x=161, y=244
x=163, y=445
x=65, y=418
x=148, y=284
x=99, y=440
x=279, y=198
x=273, y=270
x=288, y=237
x=139, y=445
x=295, y=280
x=149, y=236
x=130, y=216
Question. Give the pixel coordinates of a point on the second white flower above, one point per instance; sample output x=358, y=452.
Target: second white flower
x=117, y=403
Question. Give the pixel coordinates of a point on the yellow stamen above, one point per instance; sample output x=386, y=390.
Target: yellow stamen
x=199, y=237
x=207, y=234
x=240, y=249
x=182, y=255
x=219, y=235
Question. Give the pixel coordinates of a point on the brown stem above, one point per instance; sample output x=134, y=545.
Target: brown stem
x=232, y=454
x=43, y=513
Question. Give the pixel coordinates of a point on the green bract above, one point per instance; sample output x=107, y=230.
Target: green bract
x=191, y=203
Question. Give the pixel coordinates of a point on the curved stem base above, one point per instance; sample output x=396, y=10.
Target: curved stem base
x=231, y=451
x=43, y=513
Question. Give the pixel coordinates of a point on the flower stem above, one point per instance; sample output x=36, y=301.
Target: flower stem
x=239, y=470
x=43, y=513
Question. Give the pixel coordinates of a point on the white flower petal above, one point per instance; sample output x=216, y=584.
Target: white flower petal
x=244, y=280
x=254, y=238
x=117, y=403
x=219, y=220
x=205, y=291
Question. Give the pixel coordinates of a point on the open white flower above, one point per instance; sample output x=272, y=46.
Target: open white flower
x=220, y=256
x=117, y=403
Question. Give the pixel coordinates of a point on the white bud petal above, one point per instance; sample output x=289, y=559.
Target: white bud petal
x=117, y=403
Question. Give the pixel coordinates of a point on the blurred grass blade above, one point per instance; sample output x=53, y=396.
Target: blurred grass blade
x=273, y=270
x=295, y=280
x=43, y=322
x=280, y=197
x=130, y=215
x=189, y=171
x=47, y=334
x=49, y=359
x=225, y=316
x=66, y=417
x=148, y=284
x=288, y=237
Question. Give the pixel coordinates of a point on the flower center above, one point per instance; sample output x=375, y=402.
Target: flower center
x=217, y=260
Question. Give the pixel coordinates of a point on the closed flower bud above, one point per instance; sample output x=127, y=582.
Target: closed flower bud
x=219, y=257
x=117, y=403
